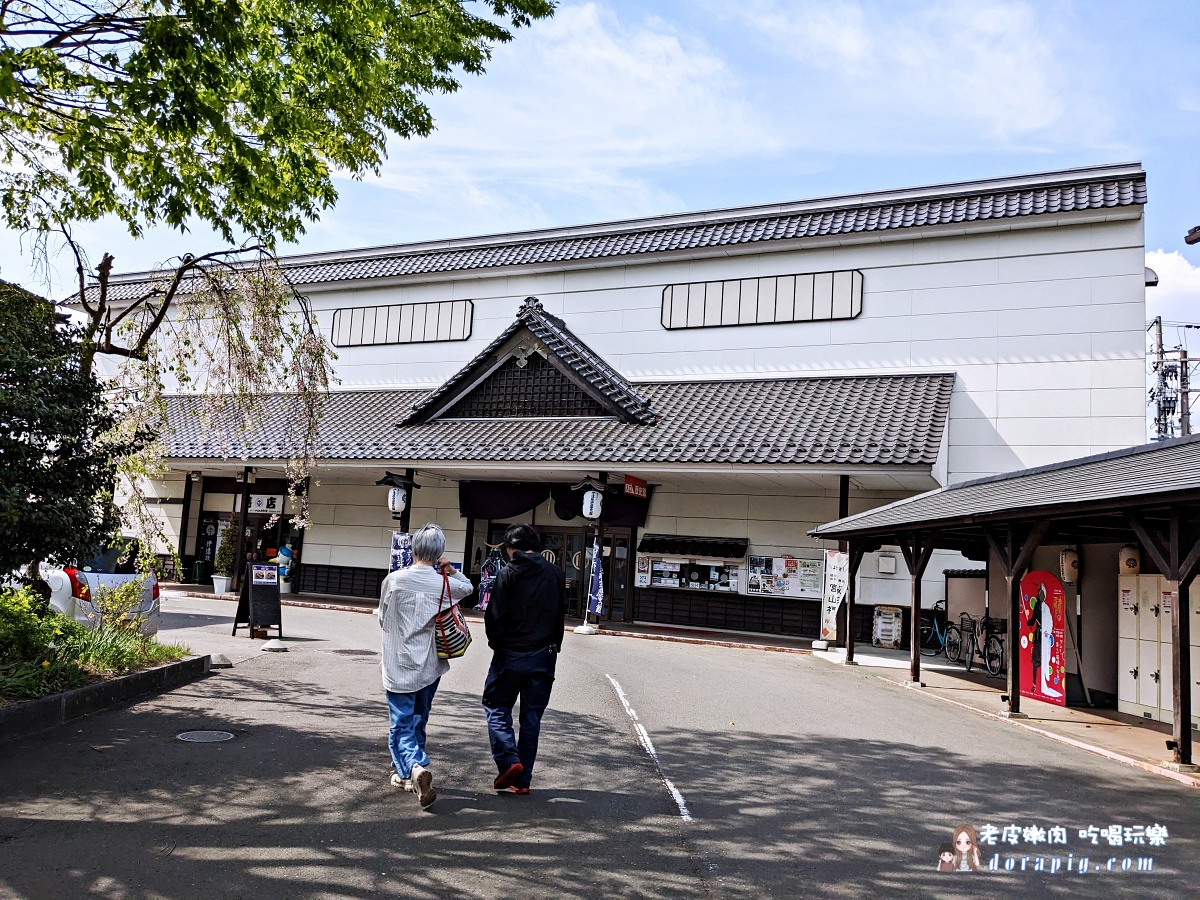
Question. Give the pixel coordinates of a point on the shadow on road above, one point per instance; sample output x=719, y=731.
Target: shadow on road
x=298, y=805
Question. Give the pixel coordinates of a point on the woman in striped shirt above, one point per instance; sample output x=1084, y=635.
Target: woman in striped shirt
x=408, y=604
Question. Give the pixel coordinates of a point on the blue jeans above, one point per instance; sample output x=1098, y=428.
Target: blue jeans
x=406, y=739
x=528, y=677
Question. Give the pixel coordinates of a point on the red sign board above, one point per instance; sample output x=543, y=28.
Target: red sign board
x=1042, y=654
x=635, y=487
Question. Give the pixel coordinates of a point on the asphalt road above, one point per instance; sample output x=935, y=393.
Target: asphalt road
x=791, y=776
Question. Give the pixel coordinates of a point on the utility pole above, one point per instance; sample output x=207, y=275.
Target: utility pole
x=1185, y=412
x=1161, y=416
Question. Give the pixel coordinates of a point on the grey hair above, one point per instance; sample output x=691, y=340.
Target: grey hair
x=428, y=544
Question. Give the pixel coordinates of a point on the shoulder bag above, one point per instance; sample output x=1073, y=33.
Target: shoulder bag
x=451, y=634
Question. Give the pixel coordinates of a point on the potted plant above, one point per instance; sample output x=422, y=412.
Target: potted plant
x=223, y=564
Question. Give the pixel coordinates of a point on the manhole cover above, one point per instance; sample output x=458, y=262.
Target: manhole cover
x=355, y=652
x=204, y=737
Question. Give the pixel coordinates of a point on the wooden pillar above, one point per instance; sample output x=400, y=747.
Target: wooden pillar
x=856, y=558
x=1181, y=671
x=406, y=516
x=917, y=552
x=1014, y=559
x=239, y=555
x=183, y=524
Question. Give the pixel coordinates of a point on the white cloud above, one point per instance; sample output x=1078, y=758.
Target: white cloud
x=941, y=76
x=1177, y=297
x=583, y=112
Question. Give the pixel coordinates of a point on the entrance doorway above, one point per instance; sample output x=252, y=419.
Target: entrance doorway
x=570, y=548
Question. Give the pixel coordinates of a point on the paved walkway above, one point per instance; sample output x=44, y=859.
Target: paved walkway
x=1106, y=732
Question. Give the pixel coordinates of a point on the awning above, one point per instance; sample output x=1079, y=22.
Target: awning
x=687, y=546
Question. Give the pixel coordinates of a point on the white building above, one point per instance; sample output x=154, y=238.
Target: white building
x=762, y=369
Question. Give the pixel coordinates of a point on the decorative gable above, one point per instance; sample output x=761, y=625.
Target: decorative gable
x=535, y=369
x=526, y=388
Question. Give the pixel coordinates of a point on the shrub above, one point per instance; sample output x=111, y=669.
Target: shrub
x=116, y=606
x=117, y=651
x=26, y=636
x=224, y=563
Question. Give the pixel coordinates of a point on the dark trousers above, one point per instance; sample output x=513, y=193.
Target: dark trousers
x=528, y=677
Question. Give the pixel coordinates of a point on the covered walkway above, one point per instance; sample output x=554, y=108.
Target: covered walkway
x=1148, y=494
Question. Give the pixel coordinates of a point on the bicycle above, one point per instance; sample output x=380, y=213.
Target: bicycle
x=981, y=633
x=934, y=629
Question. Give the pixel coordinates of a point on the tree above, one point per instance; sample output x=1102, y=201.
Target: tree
x=231, y=113
x=57, y=456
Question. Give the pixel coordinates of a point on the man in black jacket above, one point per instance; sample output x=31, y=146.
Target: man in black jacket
x=524, y=622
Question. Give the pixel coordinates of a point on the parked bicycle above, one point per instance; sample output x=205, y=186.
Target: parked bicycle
x=934, y=629
x=982, y=640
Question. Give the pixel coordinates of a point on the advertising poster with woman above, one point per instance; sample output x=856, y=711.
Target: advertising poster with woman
x=1042, y=653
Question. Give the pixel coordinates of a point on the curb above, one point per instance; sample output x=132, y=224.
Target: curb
x=1113, y=755
x=22, y=719
x=304, y=604
x=706, y=642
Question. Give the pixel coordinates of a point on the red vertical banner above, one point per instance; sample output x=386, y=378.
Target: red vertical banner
x=1043, y=650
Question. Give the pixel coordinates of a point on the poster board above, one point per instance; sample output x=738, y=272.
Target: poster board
x=784, y=576
x=1043, y=647
x=259, y=606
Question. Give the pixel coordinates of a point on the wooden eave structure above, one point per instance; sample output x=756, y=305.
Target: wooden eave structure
x=1149, y=495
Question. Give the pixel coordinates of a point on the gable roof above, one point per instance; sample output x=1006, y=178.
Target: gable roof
x=574, y=359
x=998, y=199
x=862, y=420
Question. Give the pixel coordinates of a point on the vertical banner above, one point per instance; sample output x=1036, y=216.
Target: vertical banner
x=402, y=556
x=837, y=570
x=1042, y=653
x=595, y=602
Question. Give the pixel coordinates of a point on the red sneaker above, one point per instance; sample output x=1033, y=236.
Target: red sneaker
x=506, y=778
x=517, y=790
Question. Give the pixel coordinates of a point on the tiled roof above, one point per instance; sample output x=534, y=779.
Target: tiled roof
x=858, y=420
x=1165, y=468
x=1102, y=187
x=617, y=394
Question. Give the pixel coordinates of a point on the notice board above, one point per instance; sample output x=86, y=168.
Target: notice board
x=258, y=600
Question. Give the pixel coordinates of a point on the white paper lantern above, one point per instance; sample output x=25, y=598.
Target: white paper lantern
x=1068, y=565
x=593, y=501
x=1131, y=560
x=397, y=500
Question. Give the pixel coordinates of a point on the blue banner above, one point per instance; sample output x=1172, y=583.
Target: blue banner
x=402, y=556
x=595, y=603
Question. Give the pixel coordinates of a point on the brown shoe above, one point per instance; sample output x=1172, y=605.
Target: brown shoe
x=422, y=780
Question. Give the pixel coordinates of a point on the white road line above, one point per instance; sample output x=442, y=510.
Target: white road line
x=648, y=745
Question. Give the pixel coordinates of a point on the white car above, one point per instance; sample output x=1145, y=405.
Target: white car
x=72, y=589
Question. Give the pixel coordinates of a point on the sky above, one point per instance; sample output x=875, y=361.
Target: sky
x=616, y=109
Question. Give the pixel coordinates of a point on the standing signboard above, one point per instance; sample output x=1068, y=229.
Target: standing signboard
x=1042, y=654
x=259, y=607
x=837, y=570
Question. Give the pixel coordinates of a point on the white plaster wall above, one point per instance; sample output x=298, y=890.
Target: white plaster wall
x=1043, y=327
x=168, y=516
x=351, y=524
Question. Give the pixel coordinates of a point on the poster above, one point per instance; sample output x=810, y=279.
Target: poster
x=402, y=556
x=784, y=576
x=261, y=574
x=837, y=570
x=1043, y=647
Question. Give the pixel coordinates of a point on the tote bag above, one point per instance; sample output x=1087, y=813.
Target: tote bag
x=451, y=634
